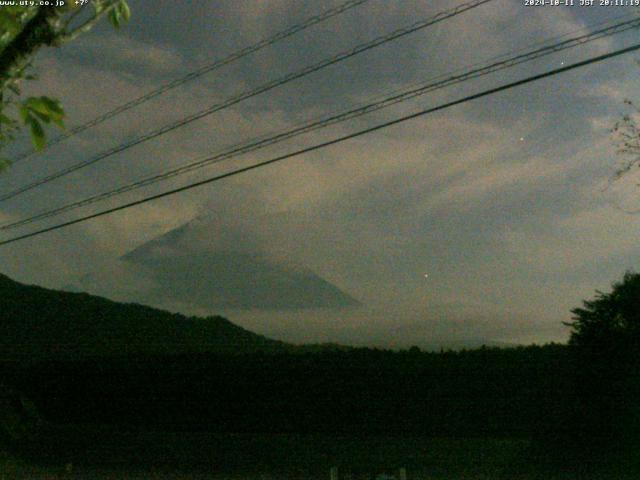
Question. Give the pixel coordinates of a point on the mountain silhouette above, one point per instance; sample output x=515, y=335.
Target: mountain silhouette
x=212, y=265
x=36, y=321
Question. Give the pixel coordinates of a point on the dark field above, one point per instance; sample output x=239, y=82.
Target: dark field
x=482, y=414
x=103, y=453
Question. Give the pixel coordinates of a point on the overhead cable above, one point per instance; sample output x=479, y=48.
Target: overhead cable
x=249, y=94
x=319, y=146
x=237, y=55
x=334, y=119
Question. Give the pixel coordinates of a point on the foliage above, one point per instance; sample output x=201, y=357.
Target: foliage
x=120, y=14
x=611, y=321
x=26, y=29
x=605, y=338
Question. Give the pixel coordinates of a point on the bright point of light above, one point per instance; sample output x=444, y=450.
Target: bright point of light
x=522, y=139
x=426, y=275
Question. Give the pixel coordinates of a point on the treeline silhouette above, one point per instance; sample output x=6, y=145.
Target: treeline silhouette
x=497, y=392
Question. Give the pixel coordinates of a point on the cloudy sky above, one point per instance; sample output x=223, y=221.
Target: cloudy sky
x=504, y=202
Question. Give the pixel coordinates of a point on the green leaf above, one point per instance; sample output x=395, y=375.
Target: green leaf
x=53, y=105
x=120, y=14
x=45, y=106
x=59, y=122
x=98, y=5
x=36, y=105
x=125, y=11
x=114, y=17
x=42, y=116
x=37, y=133
x=24, y=113
x=46, y=109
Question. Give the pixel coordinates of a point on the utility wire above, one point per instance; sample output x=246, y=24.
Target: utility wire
x=200, y=72
x=330, y=142
x=252, y=93
x=331, y=120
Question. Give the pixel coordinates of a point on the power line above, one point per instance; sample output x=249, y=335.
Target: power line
x=331, y=120
x=252, y=93
x=200, y=72
x=329, y=143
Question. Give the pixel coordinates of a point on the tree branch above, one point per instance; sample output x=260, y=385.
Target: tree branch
x=86, y=26
x=38, y=32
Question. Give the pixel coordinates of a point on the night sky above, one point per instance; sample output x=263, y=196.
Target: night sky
x=483, y=223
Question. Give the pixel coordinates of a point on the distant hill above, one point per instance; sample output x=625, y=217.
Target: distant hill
x=36, y=322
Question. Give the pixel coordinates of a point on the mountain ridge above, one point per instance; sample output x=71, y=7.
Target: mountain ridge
x=36, y=321
x=214, y=265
